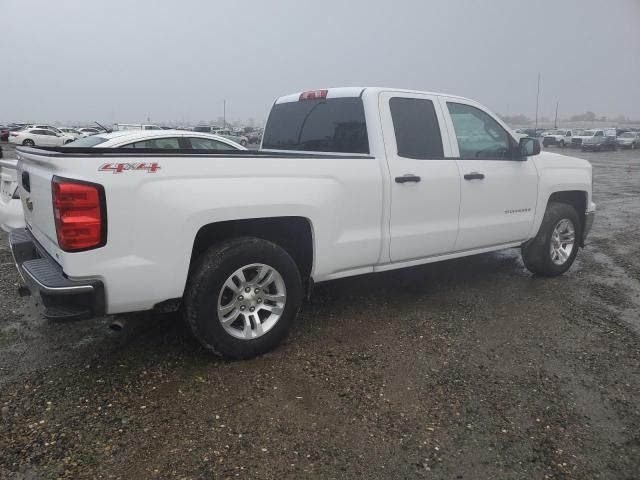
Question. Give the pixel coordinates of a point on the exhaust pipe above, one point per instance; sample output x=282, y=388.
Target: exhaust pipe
x=117, y=324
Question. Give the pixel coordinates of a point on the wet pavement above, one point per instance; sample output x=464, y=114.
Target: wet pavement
x=469, y=369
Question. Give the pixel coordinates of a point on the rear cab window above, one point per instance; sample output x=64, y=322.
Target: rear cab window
x=335, y=125
x=416, y=128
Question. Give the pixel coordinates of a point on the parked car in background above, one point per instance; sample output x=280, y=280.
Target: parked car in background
x=254, y=137
x=560, y=137
x=135, y=126
x=233, y=136
x=41, y=137
x=206, y=128
x=165, y=139
x=629, y=140
x=87, y=131
x=11, y=214
x=72, y=132
x=597, y=140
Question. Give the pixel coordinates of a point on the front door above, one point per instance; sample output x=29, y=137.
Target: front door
x=425, y=185
x=498, y=193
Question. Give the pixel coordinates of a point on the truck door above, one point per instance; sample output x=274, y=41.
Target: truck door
x=425, y=184
x=498, y=194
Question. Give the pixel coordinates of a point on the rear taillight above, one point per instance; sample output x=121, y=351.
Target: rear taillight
x=80, y=214
x=313, y=95
x=13, y=134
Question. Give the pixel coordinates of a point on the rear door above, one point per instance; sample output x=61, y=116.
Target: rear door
x=498, y=194
x=425, y=184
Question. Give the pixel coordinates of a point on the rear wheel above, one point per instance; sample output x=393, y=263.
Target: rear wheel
x=243, y=297
x=28, y=143
x=554, y=249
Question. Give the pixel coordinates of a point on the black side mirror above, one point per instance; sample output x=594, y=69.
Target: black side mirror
x=528, y=147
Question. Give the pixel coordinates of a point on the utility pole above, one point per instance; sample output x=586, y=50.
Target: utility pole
x=224, y=114
x=537, y=100
x=555, y=122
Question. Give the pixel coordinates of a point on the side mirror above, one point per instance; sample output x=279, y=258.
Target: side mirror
x=528, y=147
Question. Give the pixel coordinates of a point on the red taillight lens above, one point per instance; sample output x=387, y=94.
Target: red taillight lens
x=78, y=212
x=314, y=94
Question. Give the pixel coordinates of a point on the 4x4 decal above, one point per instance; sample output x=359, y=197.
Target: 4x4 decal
x=126, y=167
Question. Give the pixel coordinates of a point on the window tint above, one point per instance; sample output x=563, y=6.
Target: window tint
x=478, y=135
x=319, y=125
x=416, y=127
x=208, y=144
x=38, y=132
x=155, y=143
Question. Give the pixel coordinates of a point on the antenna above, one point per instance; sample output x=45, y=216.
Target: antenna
x=537, y=100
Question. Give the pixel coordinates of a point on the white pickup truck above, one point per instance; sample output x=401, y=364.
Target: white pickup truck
x=348, y=181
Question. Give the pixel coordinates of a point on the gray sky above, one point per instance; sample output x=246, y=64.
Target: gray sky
x=175, y=60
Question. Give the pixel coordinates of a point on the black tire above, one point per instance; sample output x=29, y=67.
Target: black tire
x=29, y=143
x=206, y=282
x=536, y=253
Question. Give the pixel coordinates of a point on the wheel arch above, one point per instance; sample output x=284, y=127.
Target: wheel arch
x=294, y=234
x=577, y=199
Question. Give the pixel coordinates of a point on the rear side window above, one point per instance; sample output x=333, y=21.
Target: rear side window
x=209, y=144
x=319, y=125
x=167, y=143
x=416, y=127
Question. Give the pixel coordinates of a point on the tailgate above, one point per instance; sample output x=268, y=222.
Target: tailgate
x=34, y=174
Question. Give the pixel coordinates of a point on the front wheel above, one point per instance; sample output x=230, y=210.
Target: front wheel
x=242, y=297
x=554, y=249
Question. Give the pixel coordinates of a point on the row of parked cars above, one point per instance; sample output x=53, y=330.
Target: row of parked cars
x=11, y=212
x=593, y=139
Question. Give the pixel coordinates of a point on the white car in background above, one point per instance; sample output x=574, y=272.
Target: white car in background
x=165, y=139
x=233, y=136
x=73, y=132
x=86, y=132
x=11, y=214
x=39, y=137
x=629, y=140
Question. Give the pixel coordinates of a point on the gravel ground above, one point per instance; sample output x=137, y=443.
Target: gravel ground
x=466, y=369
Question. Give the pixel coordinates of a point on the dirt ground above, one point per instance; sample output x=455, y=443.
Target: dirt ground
x=467, y=369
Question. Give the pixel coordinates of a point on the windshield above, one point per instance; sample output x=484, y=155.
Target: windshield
x=319, y=125
x=87, y=142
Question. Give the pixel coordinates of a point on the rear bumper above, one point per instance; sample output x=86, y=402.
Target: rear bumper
x=59, y=297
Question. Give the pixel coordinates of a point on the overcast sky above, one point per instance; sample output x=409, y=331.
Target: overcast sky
x=125, y=60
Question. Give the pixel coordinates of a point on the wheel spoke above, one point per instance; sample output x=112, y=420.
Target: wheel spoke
x=224, y=310
x=276, y=310
x=258, y=325
x=267, y=280
x=247, y=327
x=562, y=253
x=230, y=284
x=262, y=271
x=274, y=297
x=226, y=321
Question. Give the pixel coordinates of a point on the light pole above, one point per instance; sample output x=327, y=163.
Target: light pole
x=224, y=114
x=537, y=100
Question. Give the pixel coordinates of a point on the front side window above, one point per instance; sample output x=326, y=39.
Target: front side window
x=416, y=127
x=479, y=135
x=208, y=144
x=166, y=143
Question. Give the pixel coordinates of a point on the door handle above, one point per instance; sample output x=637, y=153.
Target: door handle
x=473, y=176
x=409, y=177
